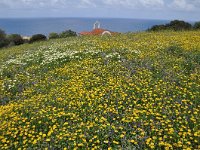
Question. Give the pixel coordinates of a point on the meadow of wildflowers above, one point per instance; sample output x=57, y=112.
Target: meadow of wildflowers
x=129, y=91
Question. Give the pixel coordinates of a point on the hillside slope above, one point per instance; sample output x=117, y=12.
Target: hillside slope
x=129, y=91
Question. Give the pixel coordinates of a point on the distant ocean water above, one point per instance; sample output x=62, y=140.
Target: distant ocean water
x=28, y=27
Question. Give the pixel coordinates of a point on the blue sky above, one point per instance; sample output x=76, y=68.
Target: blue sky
x=143, y=9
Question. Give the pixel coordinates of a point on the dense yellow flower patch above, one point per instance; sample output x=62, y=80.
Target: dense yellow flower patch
x=130, y=91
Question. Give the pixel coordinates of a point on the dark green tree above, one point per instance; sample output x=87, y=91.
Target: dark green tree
x=38, y=37
x=197, y=25
x=157, y=28
x=175, y=25
x=67, y=33
x=53, y=35
x=3, y=40
x=15, y=39
x=179, y=25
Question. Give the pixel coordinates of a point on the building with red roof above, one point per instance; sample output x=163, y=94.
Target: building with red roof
x=97, y=31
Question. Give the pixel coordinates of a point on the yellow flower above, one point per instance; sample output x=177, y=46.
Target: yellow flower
x=115, y=142
x=152, y=146
x=148, y=140
x=133, y=141
x=80, y=144
x=35, y=141
x=121, y=136
x=106, y=141
x=48, y=140
x=3, y=140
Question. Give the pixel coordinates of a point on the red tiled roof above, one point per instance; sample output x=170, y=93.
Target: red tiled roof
x=85, y=33
x=94, y=32
x=97, y=31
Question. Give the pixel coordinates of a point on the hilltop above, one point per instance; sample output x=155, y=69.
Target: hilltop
x=137, y=90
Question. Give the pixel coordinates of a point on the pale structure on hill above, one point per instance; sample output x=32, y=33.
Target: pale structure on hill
x=96, y=25
x=97, y=30
x=26, y=37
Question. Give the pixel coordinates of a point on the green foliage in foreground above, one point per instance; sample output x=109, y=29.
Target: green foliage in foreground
x=132, y=91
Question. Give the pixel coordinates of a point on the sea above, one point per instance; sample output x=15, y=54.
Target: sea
x=31, y=26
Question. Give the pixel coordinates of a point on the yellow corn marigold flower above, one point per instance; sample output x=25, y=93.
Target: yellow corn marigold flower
x=148, y=140
x=80, y=144
x=115, y=142
x=105, y=141
x=48, y=140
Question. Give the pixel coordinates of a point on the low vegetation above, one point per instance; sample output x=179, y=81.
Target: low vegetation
x=129, y=91
x=16, y=39
x=197, y=26
x=67, y=33
x=53, y=35
x=176, y=25
x=3, y=40
x=37, y=37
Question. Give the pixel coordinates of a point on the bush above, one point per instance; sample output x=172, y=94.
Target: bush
x=176, y=25
x=53, y=35
x=3, y=40
x=67, y=33
x=157, y=28
x=2, y=34
x=38, y=37
x=15, y=39
x=197, y=25
x=3, y=43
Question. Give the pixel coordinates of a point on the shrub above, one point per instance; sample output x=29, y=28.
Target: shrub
x=3, y=43
x=67, y=33
x=3, y=40
x=178, y=25
x=197, y=25
x=2, y=34
x=16, y=39
x=157, y=28
x=53, y=35
x=38, y=37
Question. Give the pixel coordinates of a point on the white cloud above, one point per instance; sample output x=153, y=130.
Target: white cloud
x=181, y=5
x=152, y=3
x=136, y=3
x=127, y=3
x=184, y=5
x=83, y=3
x=86, y=3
